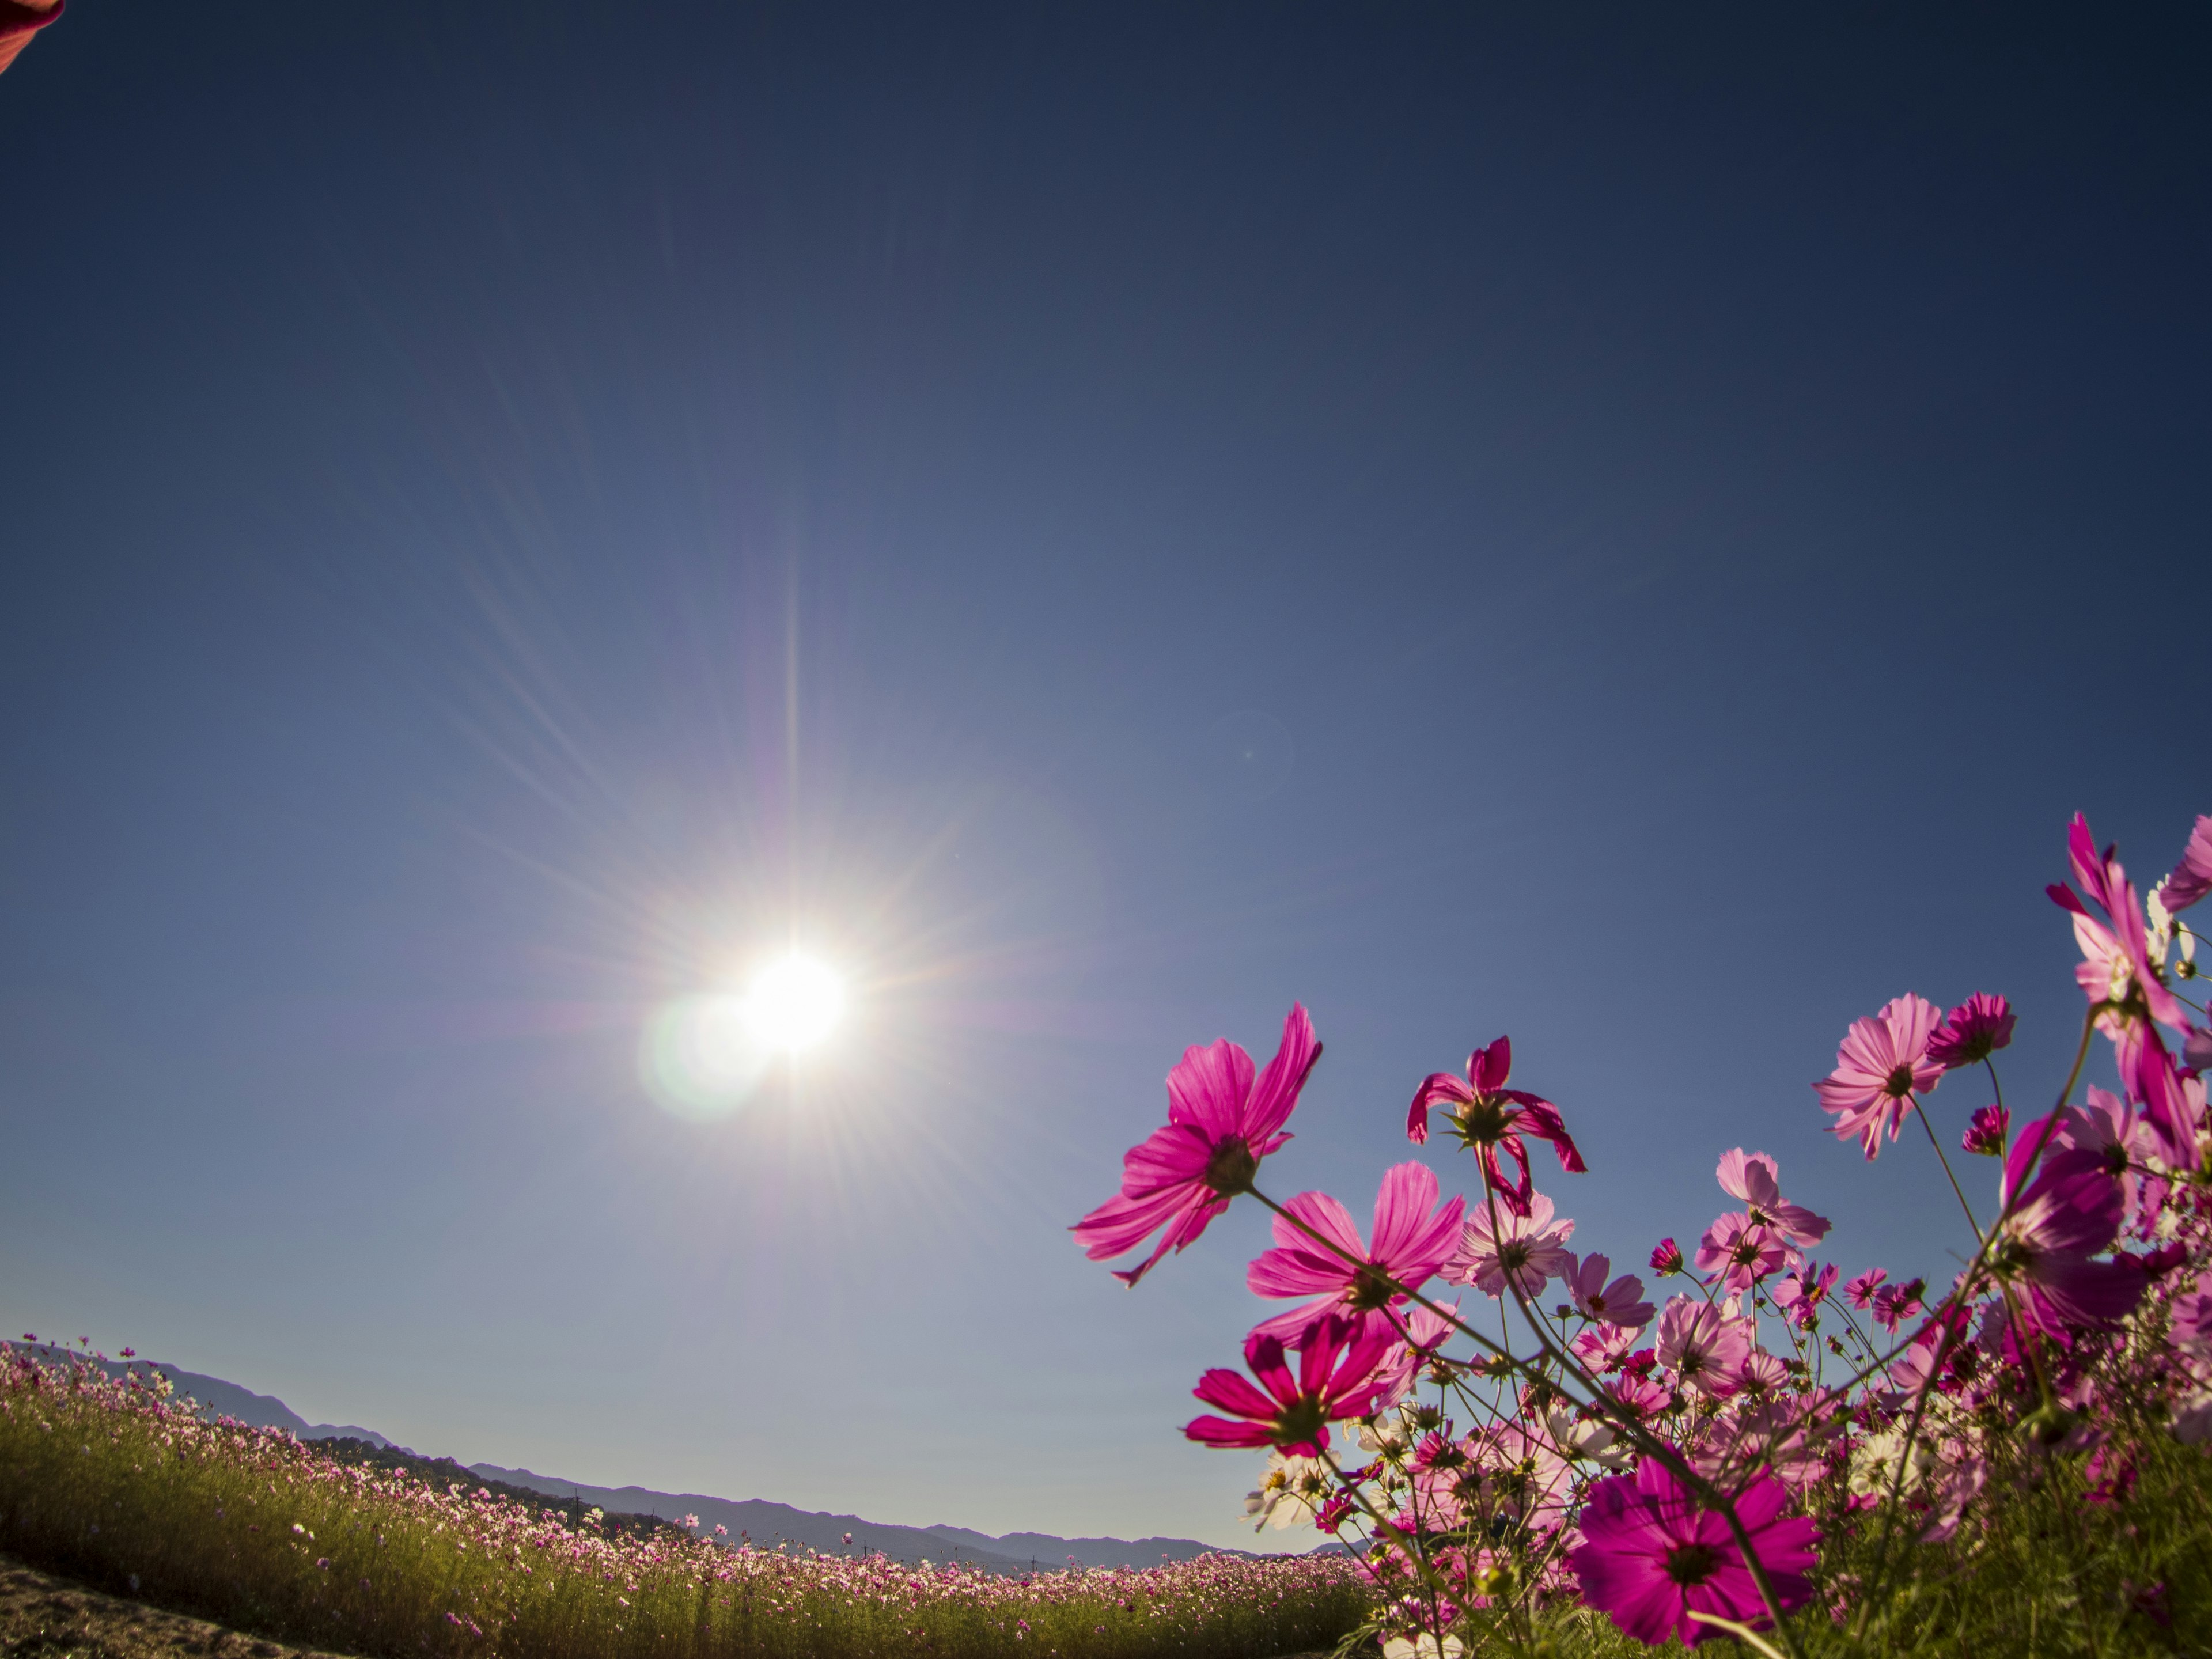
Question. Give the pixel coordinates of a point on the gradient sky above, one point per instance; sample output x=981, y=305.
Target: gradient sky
x=1631, y=528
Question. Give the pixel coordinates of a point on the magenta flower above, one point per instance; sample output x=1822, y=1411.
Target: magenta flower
x=1972, y=1031
x=1413, y=1237
x=1895, y=1304
x=1755, y=1178
x=2120, y=1136
x=1491, y=1119
x=1335, y=1380
x=1423, y=1335
x=2116, y=969
x=2174, y=1101
x=2192, y=877
x=1666, y=1258
x=1704, y=1349
x=1220, y=1124
x=1650, y=1557
x=2066, y=1216
x=1741, y=1251
x=1526, y=1245
x=1882, y=1064
x=1985, y=1135
x=1618, y=1303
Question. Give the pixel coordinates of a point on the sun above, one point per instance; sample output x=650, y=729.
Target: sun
x=793, y=1003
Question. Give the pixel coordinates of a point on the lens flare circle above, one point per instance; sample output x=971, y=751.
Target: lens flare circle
x=794, y=1004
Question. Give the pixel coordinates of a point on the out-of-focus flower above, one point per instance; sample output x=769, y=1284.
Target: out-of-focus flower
x=1617, y=1303
x=1972, y=1031
x=2173, y=1101
x=1704, y=1349
x=1741, y=1251
x=1413, y=1237
x=1882, y=1064
x=1860, y=1290
x=1492, y=1119
x=1985, y=1132
x=1667, y=1258
x=1755, y=1180
x=2192, y=877
x=2190, y=1317
x=1335, y=1380
x=1895, y=1304
x=1651, y=1556
x=1221, y=1122
x=2069, y=1214
x=1291, y=1493
x=1601, y=1347
x=1527, y=1245
x=1423, y=1644
x=1423, y=1332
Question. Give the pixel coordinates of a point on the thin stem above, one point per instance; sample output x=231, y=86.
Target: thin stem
x=1921, y=1112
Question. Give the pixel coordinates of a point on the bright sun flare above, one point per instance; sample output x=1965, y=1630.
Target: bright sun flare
x=794, y=1004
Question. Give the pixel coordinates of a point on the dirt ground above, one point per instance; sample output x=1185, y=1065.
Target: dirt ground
x=43, y=1617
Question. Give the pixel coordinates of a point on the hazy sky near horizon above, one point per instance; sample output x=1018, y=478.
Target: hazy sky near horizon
x=1632, y=530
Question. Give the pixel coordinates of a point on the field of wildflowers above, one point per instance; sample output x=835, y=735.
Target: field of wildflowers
x=115, y=1481
x=2013, y=1463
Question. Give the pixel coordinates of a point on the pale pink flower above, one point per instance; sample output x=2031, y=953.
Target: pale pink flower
x=1220, y=1124
x=1413, y=1237
x=1882, y=1064
x=2190, y=1317
x=1619, y=1302
x=1531, y=1248
x=1602, y=1347
x=1741, y=1251
x=1703, y=1349
x=1755, y=1179
x=1861, y=1289
x=1422, y=1334
x=1762, y=1374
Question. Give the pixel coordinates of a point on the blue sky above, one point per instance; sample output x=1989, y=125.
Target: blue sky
x=1635, y=533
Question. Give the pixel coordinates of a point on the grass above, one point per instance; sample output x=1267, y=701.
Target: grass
x=112, y=1483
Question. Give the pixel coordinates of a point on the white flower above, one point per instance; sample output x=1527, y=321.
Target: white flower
x=1293, y=1490
x=1424, y=1646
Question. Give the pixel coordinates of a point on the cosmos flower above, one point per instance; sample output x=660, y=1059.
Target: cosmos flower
x=1741, y=1251
x=2067, y=1215
x=1618, y=1303
x=1861, y=1289
x=1491, y=1119
x=1895, y=1304
x=1413, y=1237
x=2192, y=877
x=1650, y=1556
x=1220, y=1124
x=1527, y=1245
x=1755, y=1179
x=1702, y=1348
x=1335, y=1380
x=1423, y=1332
x=1985, y=1133
x=2116, y=969
x=1666, y=1258
x=1799, y=1292
x=1882, y=1062
x=1602, y=1347
x=1972, y=1031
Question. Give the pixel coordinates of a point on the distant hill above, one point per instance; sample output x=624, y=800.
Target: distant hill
x=765, y=1523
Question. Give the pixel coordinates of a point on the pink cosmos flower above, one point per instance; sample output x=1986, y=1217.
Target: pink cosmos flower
x=1741, y=1251
x=1761, y=1374
x=2197, y=1048
x=1528, y=1245
x=1985, y=1133
x=1422, y=1334
x=1335, y=1380
x=1639, y=1396
x=1861, y=1289
x=2174, y=1101
x=1882, y=1063
x=1413, y=1237
x=1220, y=1124
x=1667, y=1258
x=1619, y=1302
x=1491, y=1119
x=2116, y=967
x=1973, y=1030
x=1755, y=1178
x=1895, y=1304
x=2192, y=877
x=2191, y=1327
x=1704, y=1349
x=2118, y=1133
x=1650, y=1556
x=1799, y=1292
x=2069, y=1214
x=1602, y=1347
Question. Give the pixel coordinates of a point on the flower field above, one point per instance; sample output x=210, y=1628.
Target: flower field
x=115, y=1482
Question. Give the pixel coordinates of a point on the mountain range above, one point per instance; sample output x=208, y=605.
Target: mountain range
x=763, y=1522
